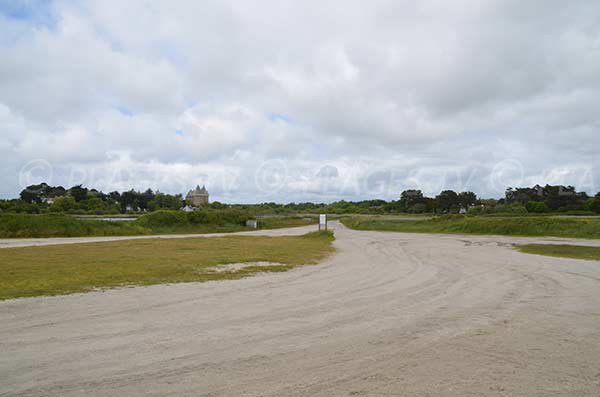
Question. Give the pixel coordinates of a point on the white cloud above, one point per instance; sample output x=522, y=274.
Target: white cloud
x=394, y=95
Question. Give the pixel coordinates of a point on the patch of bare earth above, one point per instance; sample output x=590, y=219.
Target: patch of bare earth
x=232, y=267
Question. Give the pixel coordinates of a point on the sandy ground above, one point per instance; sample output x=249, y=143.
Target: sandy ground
x=389, y=314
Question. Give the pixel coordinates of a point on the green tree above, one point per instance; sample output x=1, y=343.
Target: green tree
x=165, y=201
x=410, y=198
x=128, y=198
x=29, y=196
x=34, y=193
x=595, y=206
x=64, y=204
x=78, y=192
x=447, y=201
x=144, y=198
x=419, y=208
x=467, y=199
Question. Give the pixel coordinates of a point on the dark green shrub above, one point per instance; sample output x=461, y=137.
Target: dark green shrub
x=163, y=219
x=60, y=225
x=537, y=207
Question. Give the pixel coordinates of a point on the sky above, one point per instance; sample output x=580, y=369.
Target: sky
x=300, y=100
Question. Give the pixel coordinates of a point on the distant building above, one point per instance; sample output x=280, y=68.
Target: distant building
x=197, y=197
x=187, y=208
x=413, y=193
x=568, y=191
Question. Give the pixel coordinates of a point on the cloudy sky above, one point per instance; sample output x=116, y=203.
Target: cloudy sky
x=300, y=100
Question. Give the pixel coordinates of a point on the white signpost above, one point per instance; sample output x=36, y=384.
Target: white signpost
x=323, y=222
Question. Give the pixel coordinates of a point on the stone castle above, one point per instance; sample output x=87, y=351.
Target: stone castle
x=197, y=197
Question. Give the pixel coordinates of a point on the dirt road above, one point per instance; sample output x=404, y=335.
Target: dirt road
x=30, y=242
x=389, y=314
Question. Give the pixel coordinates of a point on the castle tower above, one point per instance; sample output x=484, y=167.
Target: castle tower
x=197, y=197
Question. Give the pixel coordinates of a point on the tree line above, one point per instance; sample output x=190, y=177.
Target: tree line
x=43, y=198
x=79, y=199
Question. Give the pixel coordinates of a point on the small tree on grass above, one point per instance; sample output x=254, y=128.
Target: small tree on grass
x=595, y=205
x=447, y=201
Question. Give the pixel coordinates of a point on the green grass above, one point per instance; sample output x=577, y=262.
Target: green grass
x=286, y=221
x=197, y=229
x=70, y=268
x=509, y=226
x=562, y=251
x=60, y=225
x=159, y=222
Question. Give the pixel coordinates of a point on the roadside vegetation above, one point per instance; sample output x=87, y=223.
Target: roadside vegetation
x=278, y=222
x=70, y=268
x=204, y=220
x=80, y=200
x=61, y=225
x=161, y=213
x=159, y=222
x=562, y=251
x=510, y=226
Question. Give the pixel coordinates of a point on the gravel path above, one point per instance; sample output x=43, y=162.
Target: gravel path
x=389, y=314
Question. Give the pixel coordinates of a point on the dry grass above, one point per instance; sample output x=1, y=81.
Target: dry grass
x=562, y=251
x=574, y=227
x=64, y=269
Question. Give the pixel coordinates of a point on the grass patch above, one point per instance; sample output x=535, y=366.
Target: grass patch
x=509, y=226
x=159, y=222
x=60, y=225
x=286, y=221
x=562, y=251
x=70, y=268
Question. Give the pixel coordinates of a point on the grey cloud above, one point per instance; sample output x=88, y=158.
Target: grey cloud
x=391, y=95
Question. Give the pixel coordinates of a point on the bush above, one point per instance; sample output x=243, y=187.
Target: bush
x=166, y=219
x=200, y=216
x=60, y=225
x=419, y=208
x=537, y=207
x=63, y=204
x=162, y=219
x=595, y=205
x=227, y=216
x=511, y=209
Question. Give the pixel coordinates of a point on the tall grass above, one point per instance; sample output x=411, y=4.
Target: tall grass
x=61, y=225
x=510, y=226
x=277, y=222
x=200, y=221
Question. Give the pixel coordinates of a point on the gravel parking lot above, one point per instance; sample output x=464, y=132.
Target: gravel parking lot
x=388, y=314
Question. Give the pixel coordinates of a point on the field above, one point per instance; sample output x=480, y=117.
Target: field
x=64, y=269
x=529, y=226
x=277, y=222
x=159, y=222
x=562, y=251
x=58, y=225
